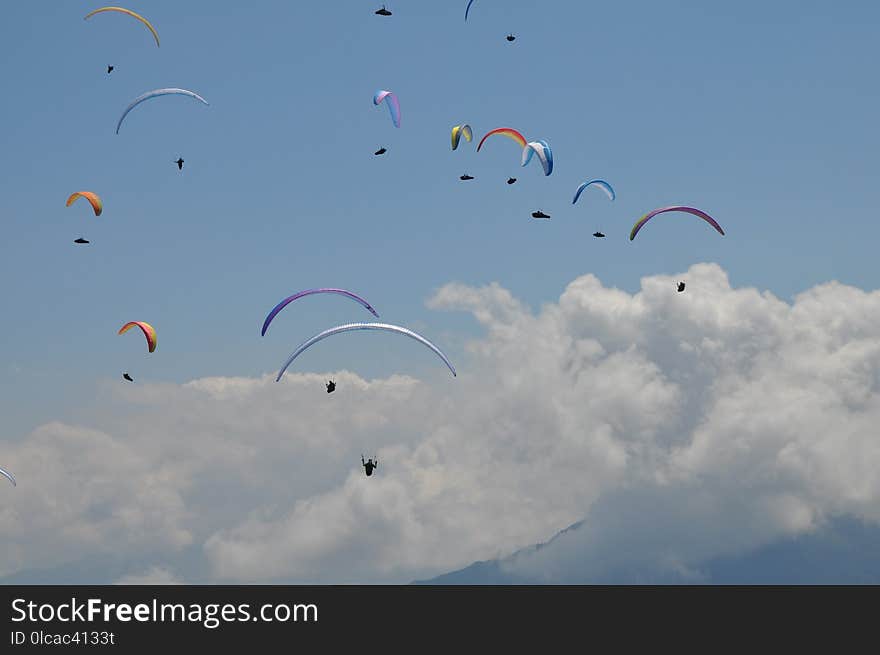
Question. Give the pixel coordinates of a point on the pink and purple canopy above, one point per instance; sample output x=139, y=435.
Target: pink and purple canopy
x=675, y=208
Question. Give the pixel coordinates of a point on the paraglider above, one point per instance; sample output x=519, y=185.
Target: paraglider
x=511, y=37
x=675, y=208
x=466, y=177
x=545, y=155
x=127, y=377
x=392, y=102
x=511, y=180
x=350, y=327
x=109, y=69
x=602, y=184
x=129, y=12
x=382, y=12
x=146, y=328
x=509, y=132
x=331, y=386
x=308, y=292
x=369, y=465
x=93, y=198
x=461, y=131
x=80, y=240
x=8, y=475
x=380, y=151
x=179, y=163
x=155, y=94
x=680, y=287
x=540, y=214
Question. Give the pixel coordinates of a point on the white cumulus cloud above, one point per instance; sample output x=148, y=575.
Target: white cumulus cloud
x=676, y=426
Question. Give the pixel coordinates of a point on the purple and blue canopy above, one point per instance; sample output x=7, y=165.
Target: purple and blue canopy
x=308, y=292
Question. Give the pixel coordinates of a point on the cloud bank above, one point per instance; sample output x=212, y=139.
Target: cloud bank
x=678, y=427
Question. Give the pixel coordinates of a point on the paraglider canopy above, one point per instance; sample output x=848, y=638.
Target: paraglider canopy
x=602, y=184
x=308, y=292
x=468, y=9
x=675, y=208
x=148, y=330
x=349, y=327
x=392, y=102
x=545, y=155
x=93, y=198
x=8, y=476
x=509, y=132
x=128, y=12
x=155, y=94
x=461, y=131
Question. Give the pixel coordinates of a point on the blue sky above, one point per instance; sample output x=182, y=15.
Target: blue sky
x=764, y=115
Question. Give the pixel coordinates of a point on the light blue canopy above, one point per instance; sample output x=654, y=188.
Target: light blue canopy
x=349, y=327
x=154, y=94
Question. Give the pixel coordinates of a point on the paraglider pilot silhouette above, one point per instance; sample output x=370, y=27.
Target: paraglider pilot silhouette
x=369, y=465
